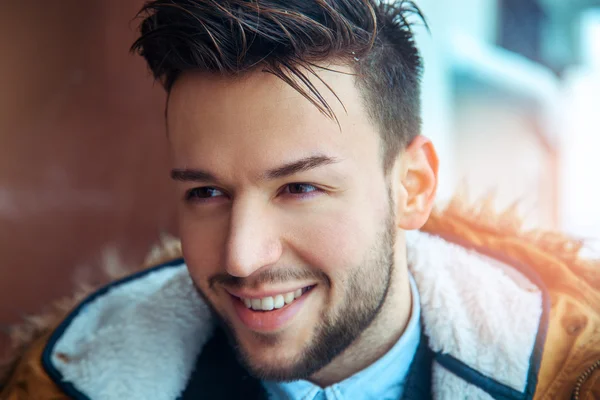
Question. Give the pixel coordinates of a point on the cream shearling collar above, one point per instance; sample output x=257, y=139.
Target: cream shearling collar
x=139, y=338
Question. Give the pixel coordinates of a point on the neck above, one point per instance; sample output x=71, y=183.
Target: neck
x=385, y=330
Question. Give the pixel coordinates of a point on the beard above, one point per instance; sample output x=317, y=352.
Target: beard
x=365, y=291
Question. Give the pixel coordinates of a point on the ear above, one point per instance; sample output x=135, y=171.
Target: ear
x=418, y=176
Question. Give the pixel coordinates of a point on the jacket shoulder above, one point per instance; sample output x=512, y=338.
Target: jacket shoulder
x=571, y=358
x=28, y=378
x=23, y=375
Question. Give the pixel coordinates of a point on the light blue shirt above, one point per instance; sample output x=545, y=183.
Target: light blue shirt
x=382, y=380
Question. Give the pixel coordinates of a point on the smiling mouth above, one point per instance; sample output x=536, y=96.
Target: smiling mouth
x=271, y=303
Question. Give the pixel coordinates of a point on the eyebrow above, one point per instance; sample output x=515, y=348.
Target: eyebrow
x=191, y=175
x=302, y=165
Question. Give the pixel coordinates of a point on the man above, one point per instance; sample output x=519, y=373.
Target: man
x=314, y=267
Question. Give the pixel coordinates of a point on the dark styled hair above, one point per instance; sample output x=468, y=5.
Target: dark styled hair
x=288, y=38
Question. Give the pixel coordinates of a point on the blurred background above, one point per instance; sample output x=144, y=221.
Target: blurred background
x=511, y=98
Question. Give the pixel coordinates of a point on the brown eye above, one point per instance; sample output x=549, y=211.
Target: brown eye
x=202, y=193
x=299, y=188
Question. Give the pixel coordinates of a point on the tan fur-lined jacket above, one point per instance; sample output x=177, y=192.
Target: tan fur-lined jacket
x=570, y=366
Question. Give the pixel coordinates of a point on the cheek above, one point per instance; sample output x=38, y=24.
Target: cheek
x=337, y=241
x=201, y=242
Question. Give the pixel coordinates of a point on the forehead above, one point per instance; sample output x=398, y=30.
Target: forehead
x=259, y=119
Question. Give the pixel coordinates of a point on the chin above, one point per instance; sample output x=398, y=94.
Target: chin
x=275, y=367
x=274, y=357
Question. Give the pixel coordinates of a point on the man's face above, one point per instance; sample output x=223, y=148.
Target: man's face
x=286, y=221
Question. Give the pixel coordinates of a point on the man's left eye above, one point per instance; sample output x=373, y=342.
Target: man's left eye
x=299, y=188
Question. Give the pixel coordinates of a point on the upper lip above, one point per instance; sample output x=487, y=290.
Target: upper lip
x=261, y=293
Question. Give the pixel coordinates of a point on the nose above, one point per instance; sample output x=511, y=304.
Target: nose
x=252, y=241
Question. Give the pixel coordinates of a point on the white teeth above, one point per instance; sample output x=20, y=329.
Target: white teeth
x=288, y=297
x=270, y=303
x=267, y=303
x=279, y=301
